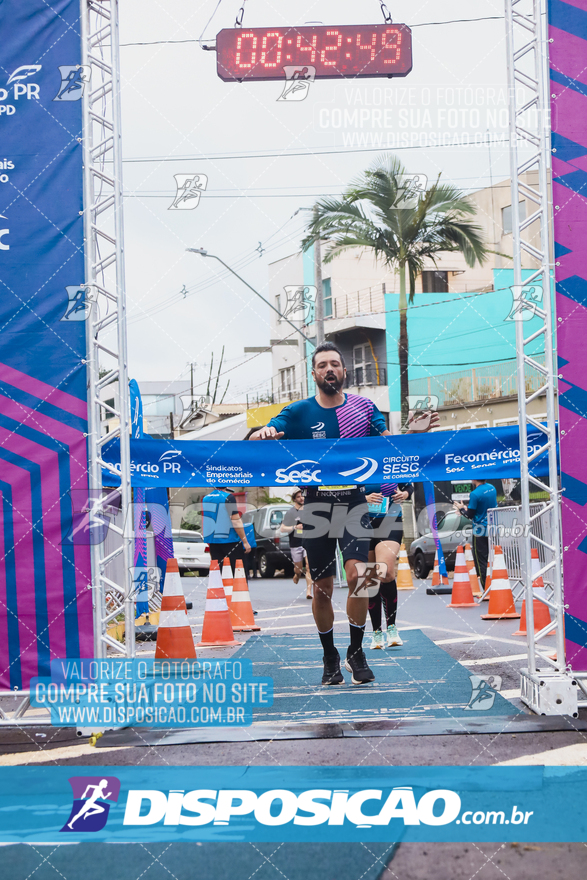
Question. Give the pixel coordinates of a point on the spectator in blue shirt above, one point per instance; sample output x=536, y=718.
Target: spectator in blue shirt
x=481, y=499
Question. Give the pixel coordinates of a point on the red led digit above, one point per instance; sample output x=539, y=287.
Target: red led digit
x=308, y=48
x=239, y=44
x=272, y=46
x=395, y=47
x=330, y=48
x=370, y=45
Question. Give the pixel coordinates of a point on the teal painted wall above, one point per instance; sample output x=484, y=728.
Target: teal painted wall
x=461, y=332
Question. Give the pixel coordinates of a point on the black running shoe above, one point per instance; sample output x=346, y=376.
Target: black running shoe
x=357, y=665
x=332, y=673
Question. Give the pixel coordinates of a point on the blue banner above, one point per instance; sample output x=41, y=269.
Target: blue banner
x=292, y=804
x=483, y=453
x=45, y=604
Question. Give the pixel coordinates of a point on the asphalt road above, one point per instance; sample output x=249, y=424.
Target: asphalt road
x=483, y=647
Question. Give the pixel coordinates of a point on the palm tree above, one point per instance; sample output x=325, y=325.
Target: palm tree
x=370, y=215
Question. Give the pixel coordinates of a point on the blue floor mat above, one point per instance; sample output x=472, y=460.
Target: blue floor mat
x=210, y=861
x=416, y=681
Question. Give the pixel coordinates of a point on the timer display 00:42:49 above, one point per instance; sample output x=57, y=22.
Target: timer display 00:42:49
x=347, y=51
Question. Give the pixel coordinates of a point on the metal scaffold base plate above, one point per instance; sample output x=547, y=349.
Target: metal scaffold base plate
x=549, y=693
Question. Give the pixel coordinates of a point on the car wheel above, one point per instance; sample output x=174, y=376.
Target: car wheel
x=421, y=570
x=266, y=568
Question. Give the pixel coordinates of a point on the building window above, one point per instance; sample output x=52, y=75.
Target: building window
x=327, y=297
x=363, y=367
x=506, y=217
x=434, y=282
x=108, y=414
x=287, y=379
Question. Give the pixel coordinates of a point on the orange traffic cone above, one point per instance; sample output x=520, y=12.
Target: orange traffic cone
x=227, y=580
x=501, y=598
x=462, y=596
x=217, y=629
x=541, y=611
x=470, y=562
x=241, y=610
x=174, y=635
x=404, y=575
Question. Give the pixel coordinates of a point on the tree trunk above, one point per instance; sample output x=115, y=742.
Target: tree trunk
x=402, y=345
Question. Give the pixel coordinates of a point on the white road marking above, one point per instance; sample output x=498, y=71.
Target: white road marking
x=566, y=756
x=482, y=661
x=457, y=640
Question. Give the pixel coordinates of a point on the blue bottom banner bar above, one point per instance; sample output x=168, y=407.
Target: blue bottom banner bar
x=292, y=804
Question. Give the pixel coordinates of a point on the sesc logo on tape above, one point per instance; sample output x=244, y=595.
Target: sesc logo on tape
x=282, y=806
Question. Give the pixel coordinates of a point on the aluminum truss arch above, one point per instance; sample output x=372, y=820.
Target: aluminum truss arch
x=106, y=324
x=547, y=685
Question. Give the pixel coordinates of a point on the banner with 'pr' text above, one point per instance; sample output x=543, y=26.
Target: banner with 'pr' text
x=483, y=453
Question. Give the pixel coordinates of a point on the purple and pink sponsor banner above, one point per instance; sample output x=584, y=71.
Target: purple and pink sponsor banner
x=45, y=603
x=568, y=89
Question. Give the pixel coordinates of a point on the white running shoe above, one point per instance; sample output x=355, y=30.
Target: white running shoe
x=393, y=637
x=377, y=640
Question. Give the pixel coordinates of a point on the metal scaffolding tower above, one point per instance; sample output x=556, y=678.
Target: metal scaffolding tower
x=106, y=324
x=547, y=685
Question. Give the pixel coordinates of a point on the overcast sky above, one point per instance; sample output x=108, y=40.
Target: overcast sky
x=175, y=107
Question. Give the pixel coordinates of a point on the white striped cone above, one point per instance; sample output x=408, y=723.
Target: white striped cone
x=241, y=610
x=404, y=574
x=537, y=582
x=501, y=598
x=475, y=586
x=462, y=595
x=216, y=629
x=540, y=608
x=174, y=634
x=227, y=580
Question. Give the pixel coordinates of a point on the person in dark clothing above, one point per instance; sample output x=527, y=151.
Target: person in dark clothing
x=386, y=521
x=481, y=499
x=292, y=525
x=222, y=527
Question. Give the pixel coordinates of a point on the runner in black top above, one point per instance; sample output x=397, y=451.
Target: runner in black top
x=332, y=413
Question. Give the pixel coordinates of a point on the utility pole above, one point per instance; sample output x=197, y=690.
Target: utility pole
x=319, y=307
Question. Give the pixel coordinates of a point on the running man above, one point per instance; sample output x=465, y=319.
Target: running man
x=91, y=808
x=334, y=414
x=292, y=525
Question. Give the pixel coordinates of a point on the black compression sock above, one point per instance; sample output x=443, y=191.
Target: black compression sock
x=389, y=596
x=357, y=633
x=375, y=611
x=327, y=640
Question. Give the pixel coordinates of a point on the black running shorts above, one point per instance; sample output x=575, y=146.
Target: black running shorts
x=386, y=528
x=330, y=524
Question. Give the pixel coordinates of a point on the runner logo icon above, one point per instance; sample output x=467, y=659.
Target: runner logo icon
x=90, y=802
x=73, y=82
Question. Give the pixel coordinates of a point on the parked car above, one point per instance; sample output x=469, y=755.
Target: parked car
x=189, y=548
x=453, y=529
x=273, y=553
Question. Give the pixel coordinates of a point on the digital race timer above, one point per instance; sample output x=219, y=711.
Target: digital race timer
x=344, y=51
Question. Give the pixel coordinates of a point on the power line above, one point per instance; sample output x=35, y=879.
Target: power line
x=219, y=157
x=421, y=24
